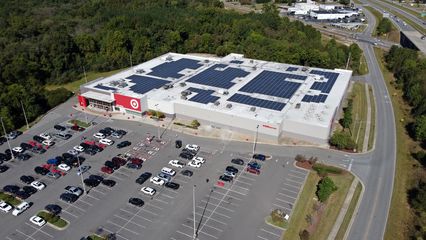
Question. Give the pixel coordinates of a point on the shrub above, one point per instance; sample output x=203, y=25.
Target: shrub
x=277, y=216
x=304, y=235
x=321, y=168
x=300, y=158
x=417, y=197
x=342, y=140
x=325, y=188
x=195, y=123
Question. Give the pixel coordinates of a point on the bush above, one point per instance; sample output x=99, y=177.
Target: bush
x=277, y=216
x=57, y=96
x=342, y=140
x=322, y=169
x=300, y=158
x=325, y=188
x=304, y=235
x=384, y=26
x=420, y=156
x=195, y=123
x=417, y=197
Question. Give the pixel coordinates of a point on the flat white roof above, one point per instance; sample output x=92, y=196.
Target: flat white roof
x=98, y=96
x=312, y=95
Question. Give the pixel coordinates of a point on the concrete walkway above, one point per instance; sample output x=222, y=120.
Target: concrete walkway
x=368, y=122
x=344, y=210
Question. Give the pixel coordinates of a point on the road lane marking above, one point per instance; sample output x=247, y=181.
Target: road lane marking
x=270, y=232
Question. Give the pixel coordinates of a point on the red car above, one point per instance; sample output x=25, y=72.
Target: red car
x=78, y=128
x=136, y=161
x=90, y=142
x=253, y=170
x=118, y=161
x=106, y=169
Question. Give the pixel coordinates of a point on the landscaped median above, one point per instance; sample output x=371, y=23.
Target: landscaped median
x=9, y=199
x=54, y=220
x=320, y=202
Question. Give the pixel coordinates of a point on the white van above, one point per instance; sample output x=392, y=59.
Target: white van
x=20, y=208
x=192, y=147
x=168, y=171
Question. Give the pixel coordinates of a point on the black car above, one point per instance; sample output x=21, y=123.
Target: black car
x=59, y=127
x=260, y=157
x=13, y=134
x=96, y=177
x=90, y=151
x=187, y=173
x=41, y=170
x=112, y=165
x=108, y=182
x=29, y=189
x=123, y=144
x=68, y=197
x=22, y=195
x=91, y=182
x=3, y=168
x=107, y=131
x=85, y=145
x=237, y=161
x=38, y=149
x=232, y=169
x=178, y=143
x=11, y=189
x=9, y=153
x=2, y=140
x=172, y=185
x=134, y=166
x=1, y=161
x=25, y=146
x=143, y=177
x=186, y=155
x=27, y=179
x=136, y=201
x=23, y=156
x=3, y=157
x=38, y=139
x=68, y=156
x=226, y=178
x=53, y=209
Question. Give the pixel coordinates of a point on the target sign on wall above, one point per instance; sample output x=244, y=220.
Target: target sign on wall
x=127, y=102
x=134, y=104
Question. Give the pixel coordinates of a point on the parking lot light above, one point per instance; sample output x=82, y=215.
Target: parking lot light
x=7, y=139
x=81, y=175
x=193, y=209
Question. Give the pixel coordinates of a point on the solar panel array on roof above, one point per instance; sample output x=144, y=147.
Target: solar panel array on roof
x=172, y=69
x=324, y=87
x=292, y=69
x=144, y=84
x=203, y=96
x=237, y=61
x=218, y=75
x=247, y=100
x=317, y=98
x=273, y=84
x=104, y=87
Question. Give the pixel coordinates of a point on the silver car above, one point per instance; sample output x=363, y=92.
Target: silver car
x=83, y=169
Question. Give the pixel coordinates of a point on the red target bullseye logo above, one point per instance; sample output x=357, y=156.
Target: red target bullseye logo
x=134, y=104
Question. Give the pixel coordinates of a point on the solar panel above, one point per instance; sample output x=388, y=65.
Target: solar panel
x=236, y=61
x=218, y=75
x=292, y=69
x=247, y=100
x=273, y=84
x=172, y=69
x=202, y=96
x=324, y=87
x=144, y=84
x=317, y=98
x=104, y=87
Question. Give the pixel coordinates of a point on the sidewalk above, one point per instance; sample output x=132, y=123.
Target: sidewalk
x=344, y=210
x=368, y=121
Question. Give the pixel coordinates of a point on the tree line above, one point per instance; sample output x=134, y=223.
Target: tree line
x=50, y=42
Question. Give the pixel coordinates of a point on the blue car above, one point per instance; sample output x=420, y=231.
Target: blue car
x=259, y=157
x=254, y=165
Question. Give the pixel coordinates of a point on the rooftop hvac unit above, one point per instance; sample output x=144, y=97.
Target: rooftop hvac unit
x=166, y=86
x=251, y=61
x=254, y=68
x=321, y=78
x=252, y=109
x=217, y=103
x=182, y=84
x=297, y=105
x=183, y=97
x=169, y=58
x=228, y=105
x=305, y=69
x=140, y=71
x=123, y=85
x=185, y=93
x=206, y=61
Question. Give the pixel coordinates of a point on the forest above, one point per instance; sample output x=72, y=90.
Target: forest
x=51, y=41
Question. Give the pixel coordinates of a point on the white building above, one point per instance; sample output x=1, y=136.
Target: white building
x=233, y=92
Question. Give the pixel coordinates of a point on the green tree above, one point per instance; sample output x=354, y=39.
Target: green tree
x=325, y=188
x=384, y=26
x=417, y=197
x=342, y=140
x=57, y=96
x=420, y=128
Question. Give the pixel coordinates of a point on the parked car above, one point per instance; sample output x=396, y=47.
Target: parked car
x=36, y=220
x=165, y=177
x=73, y=152
x=185, y=155
x=107, y=170
x=91, y=182
x=2, y=140
x=26, y=146
x=11, y=189
x=41, y=170
x=123, y=144
x=194, y=164
x=111, y=165
x=53, y=209
x=18, y=149
x=64, y=167
x=199, y=159
x=99, y=135
x=231, y=169
x=29, y=189
x=136, y=161
x=26, y=179
x=13, y=135
x=136, y=201
x=148, y=191
x=77, y=128
x=3, y=168
x=172, y=185
x=59, y=127
x=83, y=169
x=23, y=156
x=54, y=175
x=231, y=174
x=118, y=134
x=106, y=141
x=96, y=178
x=38, y=185
x=22, y=195
x=108, y=182
x=78, y=148
x=254, y=165
x=134, y=166
x=176, y=163
x=38, y=149
x=168, y=171
x=68, y=197
x=74, y=190
x=192, y=147
x=259, y=157
x=253, y=170
x=226, y=178
x=157, y=181
x=38, y=139
x=4, y=207
x=178, y=143
x=237, y=161
x=143, y=177
x=20, y=208
x=45, y=136
x=187, y=173
x=118, y=161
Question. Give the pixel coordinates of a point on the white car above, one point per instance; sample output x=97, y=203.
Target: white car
x=99, y=135
x=157, y=181
x=38, y=185
x=4, y=207
x=20, y=208
x=230, y=174
x=78, y=148
x=199, y=159
x=148, y=191
x=73, y=152
x=106, y=141
x=48, y=142
x=17, y=149
x=64, y=167
x=194, y=164
x=37, y=221
x=168, y=171
x=192, y=147
x=176, y=163
x=45, y=136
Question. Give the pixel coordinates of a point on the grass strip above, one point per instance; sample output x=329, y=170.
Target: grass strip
x=9, y=199
x=371, y=138
x=53, y=219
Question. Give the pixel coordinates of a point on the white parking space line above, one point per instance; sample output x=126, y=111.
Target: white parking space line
x=297, y=182
x=122, y=227
x=191, y=237
x=285, y=189
x=167, y=196
x=212, y=204
x=239, y=181
x=276, y=205
x=289, y=185
x=248, y=178
x=285, y=195
x=27, y=236
x=136, y=215
x=121, y=179
x=9, y=238
x=231, y=190
x=70, y=213
x=116, y=234
x=228, y=201
x=293, y=175
x=279, y=199
x=218, y=213
x=93, y=197
x=230, y=197
x=154, y=206
x=297, y=172
x=80, y=200
x=153, y=213
x=274, y=234
x=159, y=200
x=215, y=228
x=137, y=224
x=199, y=231
x=262, y=237
x=73, y=205
x=179, y=180
x=95, y=190
x=211, y=218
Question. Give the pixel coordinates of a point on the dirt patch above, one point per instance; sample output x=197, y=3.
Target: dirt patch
x=315, y=218
x=305, y=164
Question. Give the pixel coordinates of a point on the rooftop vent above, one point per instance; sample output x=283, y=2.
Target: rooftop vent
x=297, y=105
x=182, y=84
x=206, y=61
x=122, y=85
x=217, y=103
x=252, y=109
x=305, y=69
x=185, y=93
x=140, y=71
x=251, y=61
x=183, y=98
x=169, y=58
x=228, y=105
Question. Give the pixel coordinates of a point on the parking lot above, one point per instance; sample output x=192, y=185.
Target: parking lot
x=234, y=210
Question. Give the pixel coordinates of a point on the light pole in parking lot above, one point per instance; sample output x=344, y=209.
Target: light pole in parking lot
x=81, y=174
x=193, y=211
x=255, y=139
x=25, y=115
x=7, y=139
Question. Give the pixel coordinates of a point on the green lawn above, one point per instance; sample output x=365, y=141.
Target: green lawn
x=399, y=214
x=52, y=219
x=9, y=199
x=344, y=227
x=377, y=15
x=304, y=207
x=96, y=237
x=75, y=85
x=363, y=66
x=359, y=114
x=371, y=138
x=283, y=224
x=79, y=123
x=391, y=36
